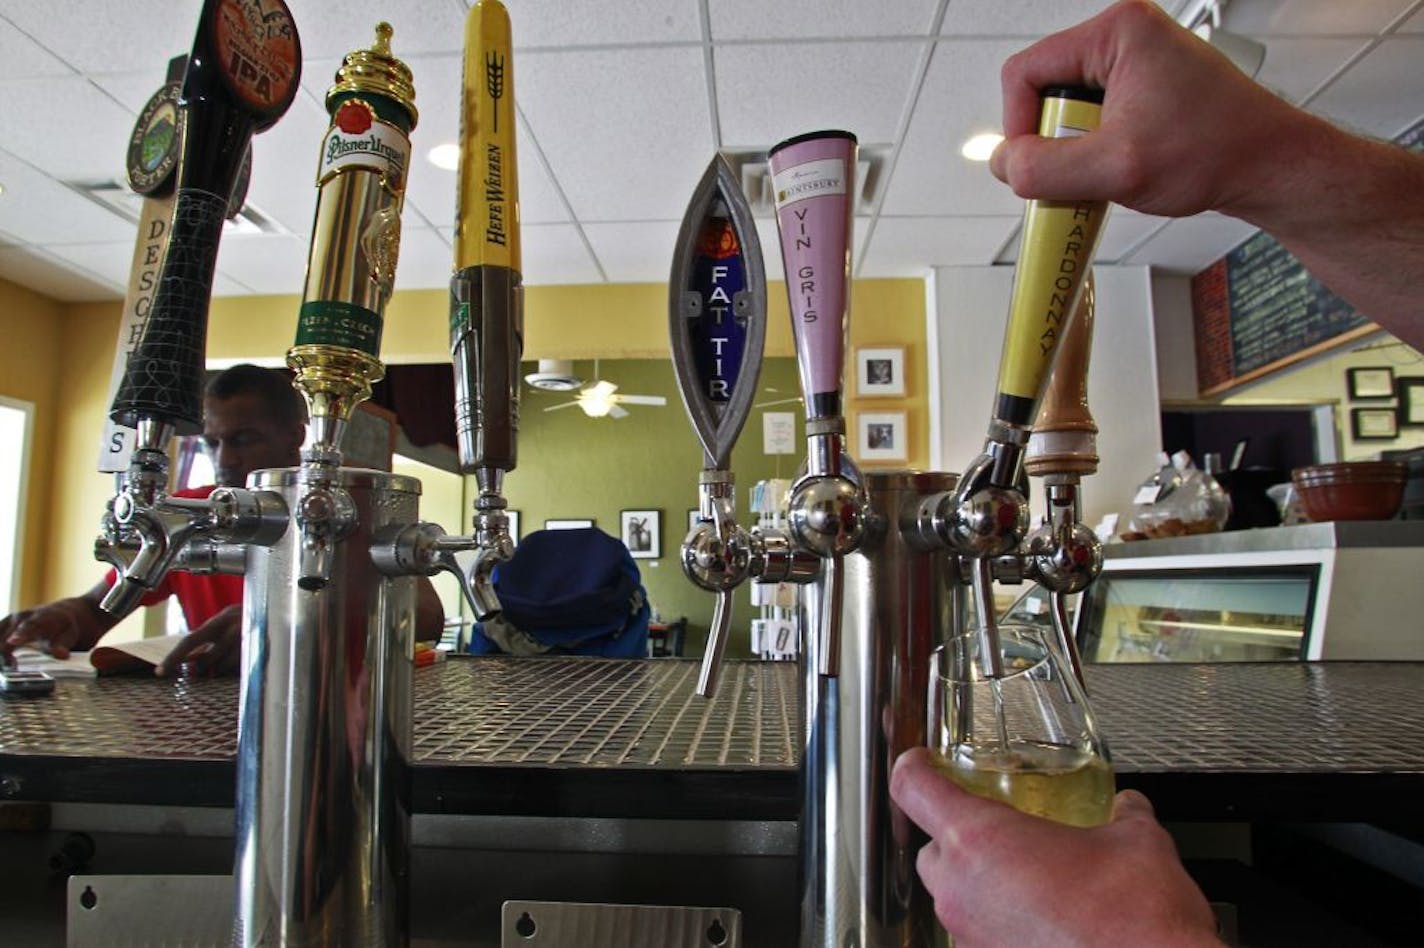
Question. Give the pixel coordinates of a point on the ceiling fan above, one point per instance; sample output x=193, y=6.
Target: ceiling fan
x=779, y=401
x=602, y=398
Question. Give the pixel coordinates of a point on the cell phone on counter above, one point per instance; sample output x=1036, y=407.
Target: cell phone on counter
x=16, y=682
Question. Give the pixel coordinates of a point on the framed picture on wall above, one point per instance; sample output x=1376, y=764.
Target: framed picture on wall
x=642, y=533
x=1373, y=381
x=1411, y=401
x=567, y=524
x=880, y=372
x=1374, y=424
x=881, y=436
x=513, y=517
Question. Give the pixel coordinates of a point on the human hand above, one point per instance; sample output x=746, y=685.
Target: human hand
x=213, y=648
x=59, y=627
x=1182, y=129
x=1002, y=877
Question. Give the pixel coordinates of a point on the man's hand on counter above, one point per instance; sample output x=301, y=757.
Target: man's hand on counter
x=59, y=627
x=213, y=648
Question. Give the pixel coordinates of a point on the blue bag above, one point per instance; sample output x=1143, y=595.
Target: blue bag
x=568, y=592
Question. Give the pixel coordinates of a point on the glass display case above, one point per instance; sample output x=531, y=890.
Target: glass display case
x=1307, y=592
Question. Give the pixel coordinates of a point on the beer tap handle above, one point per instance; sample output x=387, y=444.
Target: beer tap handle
x=813, y=177
x=241, y=78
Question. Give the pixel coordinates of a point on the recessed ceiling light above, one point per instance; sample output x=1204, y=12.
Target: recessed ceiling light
x=981, y=146
x=2, y=189
x=445, y=156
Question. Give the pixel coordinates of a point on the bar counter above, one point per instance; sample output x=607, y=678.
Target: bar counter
x=591, y=738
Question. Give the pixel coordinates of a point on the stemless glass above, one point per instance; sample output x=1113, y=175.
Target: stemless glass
x=1028, y=738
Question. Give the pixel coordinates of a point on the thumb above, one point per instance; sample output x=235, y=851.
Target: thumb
x=1055, y=169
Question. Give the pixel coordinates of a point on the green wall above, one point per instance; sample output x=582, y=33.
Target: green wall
x=574, y=466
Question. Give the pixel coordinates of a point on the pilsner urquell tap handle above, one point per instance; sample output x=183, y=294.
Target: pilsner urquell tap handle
x=987, y=514
x=717, y=328
x=486, y=291
x=355, y=244
x=242, y=75
x=813, y=179
x=1064, y=553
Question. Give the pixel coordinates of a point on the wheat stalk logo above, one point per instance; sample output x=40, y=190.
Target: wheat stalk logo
x=494, y=82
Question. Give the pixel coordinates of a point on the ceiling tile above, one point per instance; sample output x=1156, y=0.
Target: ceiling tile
x=37, y=209
x=332, y=28
x=35, y=268
x=1415, y=24
x=909, y=246
x=112, y=261
x=555, y=253
x=862, y=87
x=1311, y=17
x=802, y=19
x=425, y=260
x=1125, y=230
x=284, y=166
x=26, y=59
x=597, y=22
x=1382, y=94
x=634, y=253
x=1025, y=18
x=1295, y=68
x=108, y=37
x=72, y=130
x=132, y=89
x=626, y=133
x=1191, y=244
x=268, y=263
x=960, y=97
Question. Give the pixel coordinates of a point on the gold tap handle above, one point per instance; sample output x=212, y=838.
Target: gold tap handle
x=1064, y=434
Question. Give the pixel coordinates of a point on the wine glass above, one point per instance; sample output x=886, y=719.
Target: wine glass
x=1027, y=738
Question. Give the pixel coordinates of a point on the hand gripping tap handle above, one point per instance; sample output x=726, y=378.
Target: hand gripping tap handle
x=242, y=75
x=1066, y=555
x=813, y=180
x=717, y=329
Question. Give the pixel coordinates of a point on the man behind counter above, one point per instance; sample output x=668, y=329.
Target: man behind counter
x=252, y=419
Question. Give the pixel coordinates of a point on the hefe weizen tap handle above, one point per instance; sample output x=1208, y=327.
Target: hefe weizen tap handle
x=486, y=292
x=1055, y=256
x=243, y=73
x=813, y=180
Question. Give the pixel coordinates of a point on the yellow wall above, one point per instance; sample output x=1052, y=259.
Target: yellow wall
x=32, y=327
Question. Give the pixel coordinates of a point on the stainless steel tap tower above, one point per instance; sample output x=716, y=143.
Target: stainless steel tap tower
x=900, y=553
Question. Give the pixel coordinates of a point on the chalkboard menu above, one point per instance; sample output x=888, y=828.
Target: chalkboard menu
x=1258, y=309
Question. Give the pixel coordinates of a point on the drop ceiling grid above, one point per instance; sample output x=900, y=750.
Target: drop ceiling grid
x=560, y=23
x=1191, y=244
x=44, y=273
x=1382, y=94
x=803, y=19
x=1312, y=17
x=1029, y=19
x=626, y=132
x=900, y=243
x=39, y=210
x=49, y=110
x=960, y=96
x=107, y=37
x=766, y=93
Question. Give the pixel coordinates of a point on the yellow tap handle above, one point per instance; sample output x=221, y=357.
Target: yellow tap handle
x=1055, y=255
x=487, y=210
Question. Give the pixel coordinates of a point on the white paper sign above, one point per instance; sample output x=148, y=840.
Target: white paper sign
x=778, y=432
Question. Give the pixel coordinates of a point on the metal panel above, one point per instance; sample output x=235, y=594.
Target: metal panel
x=149, y=912
x=583, y=925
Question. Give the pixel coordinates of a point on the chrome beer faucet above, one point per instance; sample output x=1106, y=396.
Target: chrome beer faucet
x=984, y=520
x=226, y=101
x=717, y=326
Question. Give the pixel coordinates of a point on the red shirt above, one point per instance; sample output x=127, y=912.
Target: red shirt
x=199, y=596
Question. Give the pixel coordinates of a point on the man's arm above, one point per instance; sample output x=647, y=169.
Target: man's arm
x=1185, y=131
x=62, y=626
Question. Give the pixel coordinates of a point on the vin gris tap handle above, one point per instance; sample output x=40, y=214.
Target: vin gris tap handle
x=1055, y=256
x=813, y=180
x=242, y=75
x=717, y=312
x=486, y=292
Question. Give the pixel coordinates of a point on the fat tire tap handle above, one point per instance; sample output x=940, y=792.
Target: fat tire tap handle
x=241, y=77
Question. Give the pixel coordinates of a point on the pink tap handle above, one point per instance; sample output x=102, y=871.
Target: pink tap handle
x=813, y=177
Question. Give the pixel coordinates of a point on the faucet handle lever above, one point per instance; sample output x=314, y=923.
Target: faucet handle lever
x=711, y=670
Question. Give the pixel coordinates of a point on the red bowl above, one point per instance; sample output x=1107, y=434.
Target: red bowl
x=1354, y=490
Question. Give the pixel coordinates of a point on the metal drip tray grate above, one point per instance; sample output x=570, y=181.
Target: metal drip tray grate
x=580, y=712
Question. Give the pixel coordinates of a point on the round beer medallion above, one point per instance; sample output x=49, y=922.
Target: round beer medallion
x=259, y=53
x=155, y=143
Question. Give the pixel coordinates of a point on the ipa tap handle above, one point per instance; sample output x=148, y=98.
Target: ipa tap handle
x=241, y=77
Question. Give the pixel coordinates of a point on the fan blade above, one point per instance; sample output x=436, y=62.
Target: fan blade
x=564, y=405
x=640, y=399
x=617, y=412
x=783, y=401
